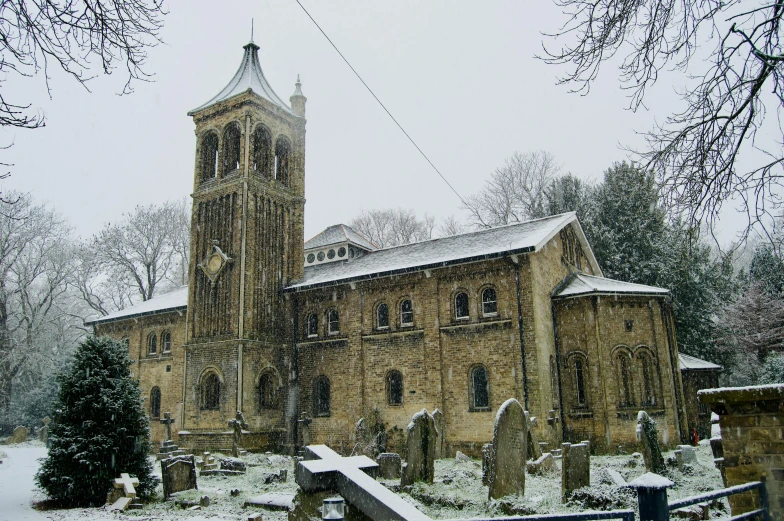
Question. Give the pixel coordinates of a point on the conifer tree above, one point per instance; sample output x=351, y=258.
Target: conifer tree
x=100, y=429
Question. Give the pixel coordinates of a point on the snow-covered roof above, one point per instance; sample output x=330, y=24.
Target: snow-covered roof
x=582, y=284
x=339, y=233
x=248, y=77
x=691, y=363
x=524, y=237
x=172, y=301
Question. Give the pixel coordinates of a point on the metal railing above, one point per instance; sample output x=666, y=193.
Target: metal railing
x=623, y=515
x=762, y=513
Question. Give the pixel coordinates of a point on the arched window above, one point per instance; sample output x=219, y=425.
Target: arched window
x=267, y=390
x=489, y=304
x=209, y=156
x=165, y=342
x=579, y=381
x=152, y=344
x=231, y=148
x=624, y=381
x=262, y=151
x=648, y=388
x=282, y=152
x=406, y=313
x=395, y=388
x=461, y=306
x=155, y=402
x=382, y=316
x=480, y=393
x=312, y=325
x=333, y=322
x=210, y=391
x=321, y=396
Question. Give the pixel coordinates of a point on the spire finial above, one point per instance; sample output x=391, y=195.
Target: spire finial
x=251, y=30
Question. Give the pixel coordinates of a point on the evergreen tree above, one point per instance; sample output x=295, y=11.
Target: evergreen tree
x=99, y=430
x=767, y=270
x=568, y=194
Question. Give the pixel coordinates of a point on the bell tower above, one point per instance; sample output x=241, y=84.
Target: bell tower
x=247, y=231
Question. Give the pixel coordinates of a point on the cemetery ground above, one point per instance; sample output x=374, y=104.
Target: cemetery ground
x=457, y=491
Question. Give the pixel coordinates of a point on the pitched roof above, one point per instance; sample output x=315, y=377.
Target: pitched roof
x=468, y=247
x=582, y=284
x=173, y=301
x=248, y=77
x=337, y=234
x=688, y=362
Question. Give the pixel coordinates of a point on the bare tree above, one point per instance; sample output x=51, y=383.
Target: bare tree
x=515, y=192
x=73, y=34
x=393, y=227
x=451, y=226
x=731, y=101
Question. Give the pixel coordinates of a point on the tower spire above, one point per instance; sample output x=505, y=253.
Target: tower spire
x=251, y=30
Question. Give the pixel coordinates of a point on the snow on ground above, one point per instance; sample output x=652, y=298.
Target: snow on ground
x=457, y=492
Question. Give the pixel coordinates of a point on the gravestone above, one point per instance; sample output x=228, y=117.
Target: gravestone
x=233, y=464
x=420, y=449
x=487, y=457
x=304, y=429
x=360, y=432
x=440, y=422
x=540, y=466
x=19, y=435
x=389, y=465
x=648, y=440
x=43, y=434
x=168, y=447
x=208, y=462
x=685, y=455
x=178, y=474
x=123, y=493
x=237, y=425
x=575, y=468
x=534, y=448
x=510, y=445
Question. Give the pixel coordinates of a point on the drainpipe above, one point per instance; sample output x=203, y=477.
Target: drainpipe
x=558, y=372
x=515, y=260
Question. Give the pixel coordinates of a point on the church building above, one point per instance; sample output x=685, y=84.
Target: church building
x=306, y=338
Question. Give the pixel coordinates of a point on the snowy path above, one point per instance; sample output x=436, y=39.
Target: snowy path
x=16, y=483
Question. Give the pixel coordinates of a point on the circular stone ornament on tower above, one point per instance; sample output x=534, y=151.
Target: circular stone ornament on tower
x=214, y=263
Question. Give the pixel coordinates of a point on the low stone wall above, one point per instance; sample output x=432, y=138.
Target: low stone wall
x=752, y=431
x=197, y=442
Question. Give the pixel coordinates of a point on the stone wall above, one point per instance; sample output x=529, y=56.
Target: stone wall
x=752, y=432
x=198, y=442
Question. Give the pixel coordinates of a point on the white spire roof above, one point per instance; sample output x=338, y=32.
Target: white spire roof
x=248, y=77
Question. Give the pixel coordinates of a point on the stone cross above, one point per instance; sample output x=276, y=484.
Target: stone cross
x=167, y=421
x=46, y=421
x=126, y=482
x=236, y=425
x=354, y=479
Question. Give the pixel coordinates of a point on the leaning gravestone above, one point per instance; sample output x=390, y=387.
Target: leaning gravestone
x=507, y=474
x=575, y=468
x=178, y=474
x=648, y=440
x=20, y=435
x=534, y=449
x=420, y=449
x=389, y=465
x=440, y=422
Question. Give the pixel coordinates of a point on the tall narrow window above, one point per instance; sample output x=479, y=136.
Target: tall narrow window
x=333, y=322
x=554, y=383
x=209, y=156
x=321, y=397
x=480, y=394
x=155, y=402
x=461, y=306
x=267, y=390
x=395, y=388
x=231, y=148
x=382, y=316
x=152, y=344
x=282, y=152
x=262, y=151
x=210, y=392
x=166, y=342
x=625, y=381
x=406, y=313
x=649, y=396
x=579, y=380
x=489, y=305
x=312, y=326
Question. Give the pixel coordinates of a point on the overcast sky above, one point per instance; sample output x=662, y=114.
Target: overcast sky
x=461, y=77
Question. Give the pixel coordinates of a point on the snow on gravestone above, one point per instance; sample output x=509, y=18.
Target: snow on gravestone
x=389, y=465
x=575, y=468
x=19, y=435
x=648, y=439
x=487, y=451
x=420, y=449
x=178, y=474
x=440, y=422
x=507, y=469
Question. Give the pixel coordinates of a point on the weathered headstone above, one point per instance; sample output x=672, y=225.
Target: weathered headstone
x=440, y=422
x=233, y=464
x=178, y=473
x=575, y=468
x=420, y=449
x=510, y=445
x=19, y=435
x=360, y=431
x=541, y=465
x=123, y=494
x=304, y=429
x=685, y=455
x=648, y=440
x=487, y=458
x=237, y=425
x=389, y=465
x=534, y=449
x=43, y=434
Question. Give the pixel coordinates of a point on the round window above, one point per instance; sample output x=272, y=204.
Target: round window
x=342, y=251
x=311, y=258
x=321, y=255
x=351, y=253
x=331, y=254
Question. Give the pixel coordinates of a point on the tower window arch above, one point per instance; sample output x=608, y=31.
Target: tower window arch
x=209, y=156
x=648, y=382
x=155, y=402
x=461, y=306
x=406, y=313
x=579, y=381
x=625, y=395
x=333, y=322
x=210, y=391
x=231, y=148
x=165, y=342
x=382, y=316
x=311, y=325
x=395, y=388
x=282, y=159
x=152, y=344
x=489, y=303
x=479, y=388
x=262, y=151
x=267, y=390
x=321, y=396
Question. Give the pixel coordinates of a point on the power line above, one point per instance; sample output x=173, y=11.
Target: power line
x=382, y=105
